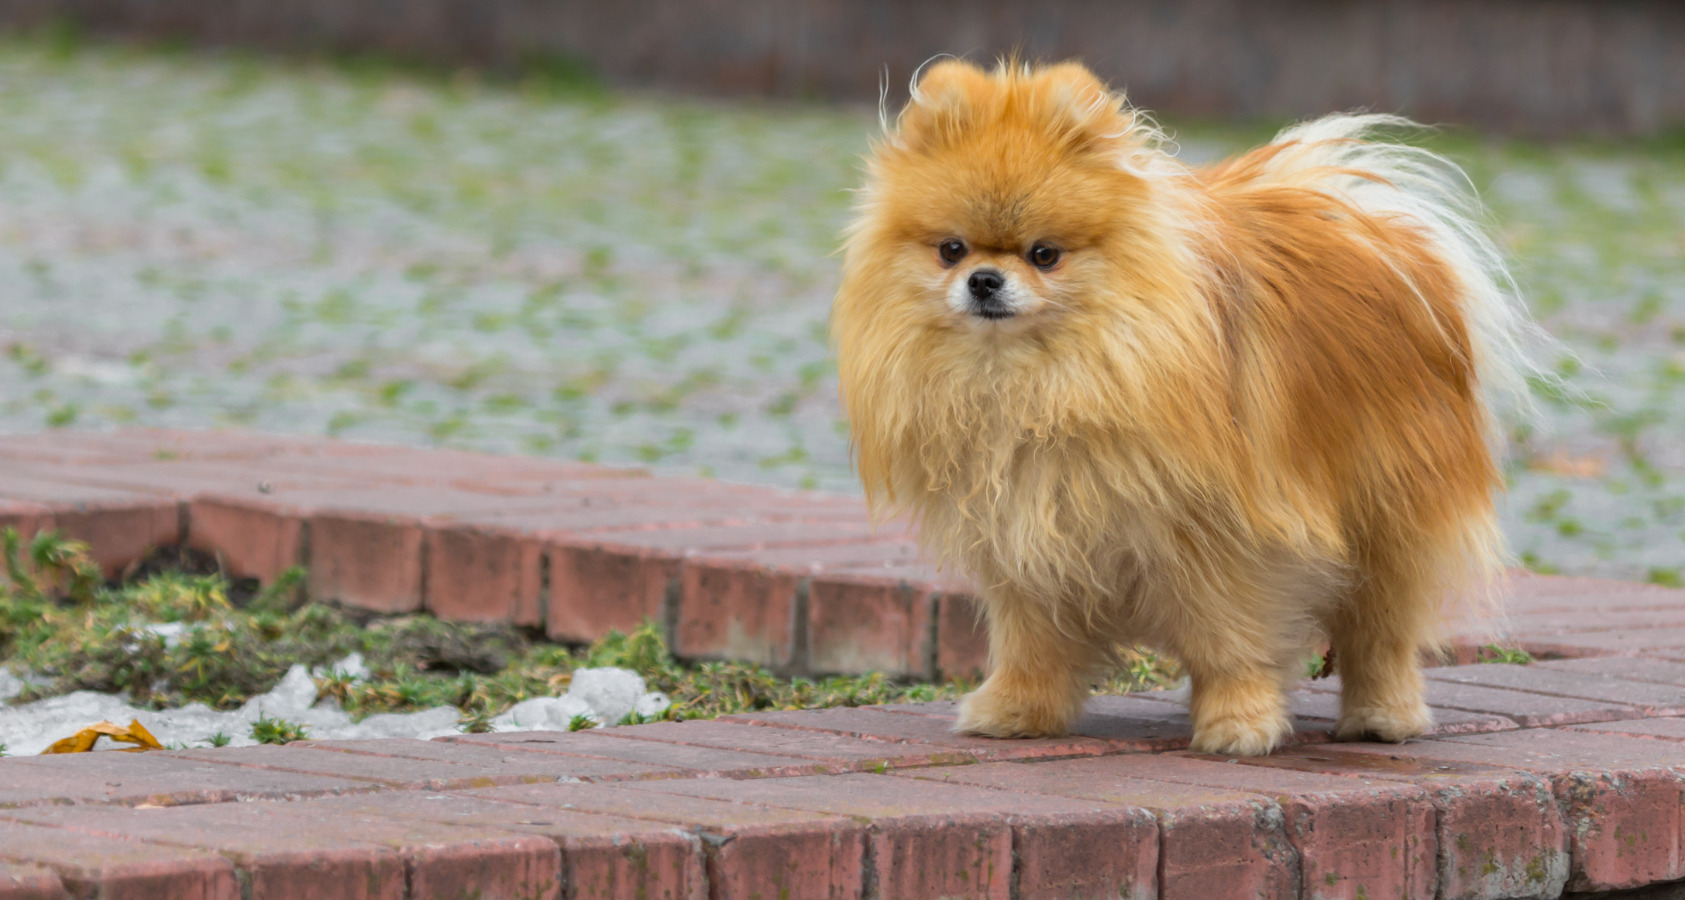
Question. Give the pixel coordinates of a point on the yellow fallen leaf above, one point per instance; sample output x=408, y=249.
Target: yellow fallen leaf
x=83, y=741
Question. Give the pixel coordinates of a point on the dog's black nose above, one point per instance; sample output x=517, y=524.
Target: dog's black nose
x=984, y=283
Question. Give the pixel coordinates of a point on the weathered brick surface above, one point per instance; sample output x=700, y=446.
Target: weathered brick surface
x=743, y=605
x=932, y=732
x=1212, y=842
x=1356, y=837
x=841, y=752
x=27, y=882
x=694, y=761
x=1654, y=671
x=1652, y=699
x=1324, y=709
x=1527, y=709
x=92, y=865
x=928, y=839
x=253, y=541
x=278, y=860
x=1499, y=831
x=600, y=856
x=150, y=778
x=413, y=762
x=484, y=574
x=962, y=643
x=750, y=849
x=872, y=621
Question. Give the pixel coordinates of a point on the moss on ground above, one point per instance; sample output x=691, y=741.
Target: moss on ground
x=62, y=624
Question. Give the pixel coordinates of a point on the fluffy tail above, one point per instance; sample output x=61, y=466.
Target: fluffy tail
x=1351, y=157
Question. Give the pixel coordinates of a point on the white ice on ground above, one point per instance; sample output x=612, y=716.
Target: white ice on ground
x=604, y=695
x=27, y=729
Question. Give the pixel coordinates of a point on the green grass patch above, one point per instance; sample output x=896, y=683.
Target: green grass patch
x=229, y=641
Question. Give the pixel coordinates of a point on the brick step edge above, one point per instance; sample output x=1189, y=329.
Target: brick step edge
x=801, y=582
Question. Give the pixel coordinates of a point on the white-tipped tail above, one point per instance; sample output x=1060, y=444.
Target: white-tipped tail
x=1434, y=193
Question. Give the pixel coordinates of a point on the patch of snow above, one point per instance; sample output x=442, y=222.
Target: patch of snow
x=611, y=693
x=543, y=714
x=604, y=695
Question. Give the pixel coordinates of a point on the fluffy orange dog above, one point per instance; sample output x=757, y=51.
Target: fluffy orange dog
x=1227, y=412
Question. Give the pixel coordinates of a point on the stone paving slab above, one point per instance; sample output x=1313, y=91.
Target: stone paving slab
x=1567, y=775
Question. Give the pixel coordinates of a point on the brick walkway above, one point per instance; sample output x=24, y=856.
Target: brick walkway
x=1564, y=775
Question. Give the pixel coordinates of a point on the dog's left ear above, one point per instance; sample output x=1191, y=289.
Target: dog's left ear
x=1076, y=104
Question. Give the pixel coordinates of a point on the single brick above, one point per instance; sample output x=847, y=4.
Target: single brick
x=26, y=516
x=497, y=762
x=962, y=639
x=1667, y=643
x=598, y=586
x=59, y=446
x=841, y=752
x=93, y=865
x=1529, y=593
x=1672, y=729
x=120, y=533
x=1625, y=828
x=932, y=732
x=252, y=540
x=1545, y=626
x=751, y=849
x=371, y=562
x=183, y=479
x=279, y=857
x=1212, y=842
x=872, y=622
x=411, y=771
x=1652, y=699
x=1526, y=709
x=484, y=574
x=930, y=839
x=26, y=882
x=1655, y=671
x=694, y=761
x=601, y=856
x=737, y=610
x=149, y=778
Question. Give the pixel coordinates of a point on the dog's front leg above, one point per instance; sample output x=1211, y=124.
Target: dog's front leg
x=1038, y=673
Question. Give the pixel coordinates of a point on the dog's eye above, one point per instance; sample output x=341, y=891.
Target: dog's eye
x=951, y=250
x=1044, y=256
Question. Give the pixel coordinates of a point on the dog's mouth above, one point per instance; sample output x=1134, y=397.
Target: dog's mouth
x=992, y=309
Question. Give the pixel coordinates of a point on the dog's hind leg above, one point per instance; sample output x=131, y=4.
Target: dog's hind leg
x=1378, y=636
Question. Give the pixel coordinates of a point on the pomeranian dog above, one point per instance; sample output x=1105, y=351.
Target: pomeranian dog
x=1229, y=412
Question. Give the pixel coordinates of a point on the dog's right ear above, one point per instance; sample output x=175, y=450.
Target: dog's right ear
x=942, y=98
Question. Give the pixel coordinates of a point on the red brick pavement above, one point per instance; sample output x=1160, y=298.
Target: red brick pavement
x=1564, y=775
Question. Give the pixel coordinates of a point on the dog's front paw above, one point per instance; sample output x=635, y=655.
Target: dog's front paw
x=1393, y=726
x=1241, y=736
x=992, y=712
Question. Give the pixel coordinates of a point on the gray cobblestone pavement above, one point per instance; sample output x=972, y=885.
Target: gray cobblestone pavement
x=193, y=241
